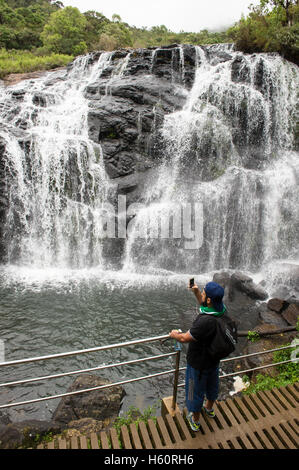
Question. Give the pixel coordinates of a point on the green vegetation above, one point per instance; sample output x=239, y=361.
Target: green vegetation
x=41, y=28
x=272, y=26
x=285, y=374
x=135, y=416
x=253, y=336
x=24, y=61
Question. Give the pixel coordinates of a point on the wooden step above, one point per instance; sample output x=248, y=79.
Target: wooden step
x=265, y=420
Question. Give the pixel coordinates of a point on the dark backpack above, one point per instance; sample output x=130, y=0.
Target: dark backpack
x=225, y=339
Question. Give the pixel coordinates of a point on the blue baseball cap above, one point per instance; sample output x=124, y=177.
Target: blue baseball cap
x=215, y=292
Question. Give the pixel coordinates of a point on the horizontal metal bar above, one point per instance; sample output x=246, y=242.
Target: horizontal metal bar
x=245, y=371
x=255, y=354
x=254, y=368
x=247, y=355
x=83, y=351
x=77, y=392
x=64, y=374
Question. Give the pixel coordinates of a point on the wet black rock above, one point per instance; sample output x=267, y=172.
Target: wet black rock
x=243, y=283
x=25, y=433
x=97, y=404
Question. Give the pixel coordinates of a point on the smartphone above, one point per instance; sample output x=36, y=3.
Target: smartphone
x=191, y=282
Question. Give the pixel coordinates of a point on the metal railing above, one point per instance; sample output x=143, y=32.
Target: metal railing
x=176, y=370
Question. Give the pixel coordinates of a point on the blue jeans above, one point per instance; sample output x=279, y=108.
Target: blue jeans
x=200, y=384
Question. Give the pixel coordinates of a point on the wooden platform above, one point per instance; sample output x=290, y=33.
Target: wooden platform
x=265, y=420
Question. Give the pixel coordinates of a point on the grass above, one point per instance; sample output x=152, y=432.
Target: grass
x=135, y=416
x=286, y=374
x=24, y=61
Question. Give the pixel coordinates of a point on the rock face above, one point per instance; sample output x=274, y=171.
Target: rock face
x=275, y=314
x=243, y=283
x=78, y=414
x=98, y=404
x=25, y=433
x=133, y=104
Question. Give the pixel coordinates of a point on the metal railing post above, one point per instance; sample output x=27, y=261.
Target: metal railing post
x=178, y=348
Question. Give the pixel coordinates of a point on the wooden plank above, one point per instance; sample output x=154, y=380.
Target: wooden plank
x=293, y=390
x=135, y=437
x=236, y=425
x=154, y=434
x=200, y=439
x=284, y=437
x=227, y=433
x=275, y=405
x=289, y=396
x=183, y=426
x=224, y=444
x=94, y=441
x=249, y=403
x=235, y=443
x=114, y=439
x=51, y=445
x=104, y=440
x=280, y=412
x=61, y=443
x=281, y=398
x=268, y=430
x=289, y=429
x=74, y=442
x=125, y=437
x=163, y=431
x=172, y=428
x=220, y=417
x=83, y=442
x=257, y=405
x=250, y=424
x=207, y=439
x=281, y=404
x=145, y=436
x=40, y=446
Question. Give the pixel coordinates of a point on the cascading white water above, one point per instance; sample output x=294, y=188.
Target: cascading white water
x=59, y=181
x=230, y=149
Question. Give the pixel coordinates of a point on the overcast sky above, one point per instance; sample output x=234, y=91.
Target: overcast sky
x=176, y=15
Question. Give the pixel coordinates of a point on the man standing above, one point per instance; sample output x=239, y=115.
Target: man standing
x=202, y=374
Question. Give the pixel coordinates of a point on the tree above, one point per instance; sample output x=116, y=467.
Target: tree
x=65, y=31
x=95, y=26
x=285, y=5
x=116, y=18
x=120, y=34
x=271, y=26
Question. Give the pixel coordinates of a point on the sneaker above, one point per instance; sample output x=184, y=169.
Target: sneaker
x=193, y=425
x=210, y=413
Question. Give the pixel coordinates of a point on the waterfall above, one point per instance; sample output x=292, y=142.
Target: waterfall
x=57, y=181
x=225, y=189
x=229, y=149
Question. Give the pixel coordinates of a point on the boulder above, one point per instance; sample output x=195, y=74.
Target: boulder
x=97, y=404
x=243, y=283
x=25, y=433
x=86, y=426
x=272, y=318
x=277, y=305
x=264, y=344
x=291, y=314
x=222, y=278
